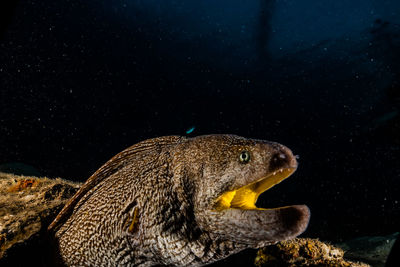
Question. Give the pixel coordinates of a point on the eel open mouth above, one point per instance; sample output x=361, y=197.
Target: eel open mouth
x=245, y=197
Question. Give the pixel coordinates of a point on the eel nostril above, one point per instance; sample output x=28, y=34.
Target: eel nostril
x=279, y=157
x=279, y=160
x=282, y=156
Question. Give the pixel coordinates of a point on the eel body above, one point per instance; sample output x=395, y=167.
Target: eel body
x=178, y=201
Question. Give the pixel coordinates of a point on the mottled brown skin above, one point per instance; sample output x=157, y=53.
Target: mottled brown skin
x=154, y=204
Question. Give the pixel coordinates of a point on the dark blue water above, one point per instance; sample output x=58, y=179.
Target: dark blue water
x=82, y=80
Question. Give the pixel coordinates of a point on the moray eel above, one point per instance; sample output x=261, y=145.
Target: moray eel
x=178, y=201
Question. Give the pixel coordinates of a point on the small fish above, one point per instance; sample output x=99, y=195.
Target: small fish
x=190, y=130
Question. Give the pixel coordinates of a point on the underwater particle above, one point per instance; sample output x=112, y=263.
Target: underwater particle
x=190, y=130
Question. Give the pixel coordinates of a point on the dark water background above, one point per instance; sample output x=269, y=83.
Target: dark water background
x=82, y=80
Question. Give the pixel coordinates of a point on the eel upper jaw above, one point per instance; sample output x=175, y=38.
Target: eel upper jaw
x=245, y=197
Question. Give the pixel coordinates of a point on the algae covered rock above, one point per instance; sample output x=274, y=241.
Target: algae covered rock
x=27, y=206
x=303, y=252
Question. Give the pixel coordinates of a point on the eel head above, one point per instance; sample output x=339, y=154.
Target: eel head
x=234, y=172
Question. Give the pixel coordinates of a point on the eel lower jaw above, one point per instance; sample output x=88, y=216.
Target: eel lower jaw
x=235, y=216
x=245, y=197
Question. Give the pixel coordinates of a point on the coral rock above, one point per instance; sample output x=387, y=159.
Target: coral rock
x=303, y=252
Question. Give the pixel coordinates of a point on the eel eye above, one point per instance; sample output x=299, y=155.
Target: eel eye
x=244, y=156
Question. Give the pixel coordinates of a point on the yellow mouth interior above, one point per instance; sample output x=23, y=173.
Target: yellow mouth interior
x=246, y=196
